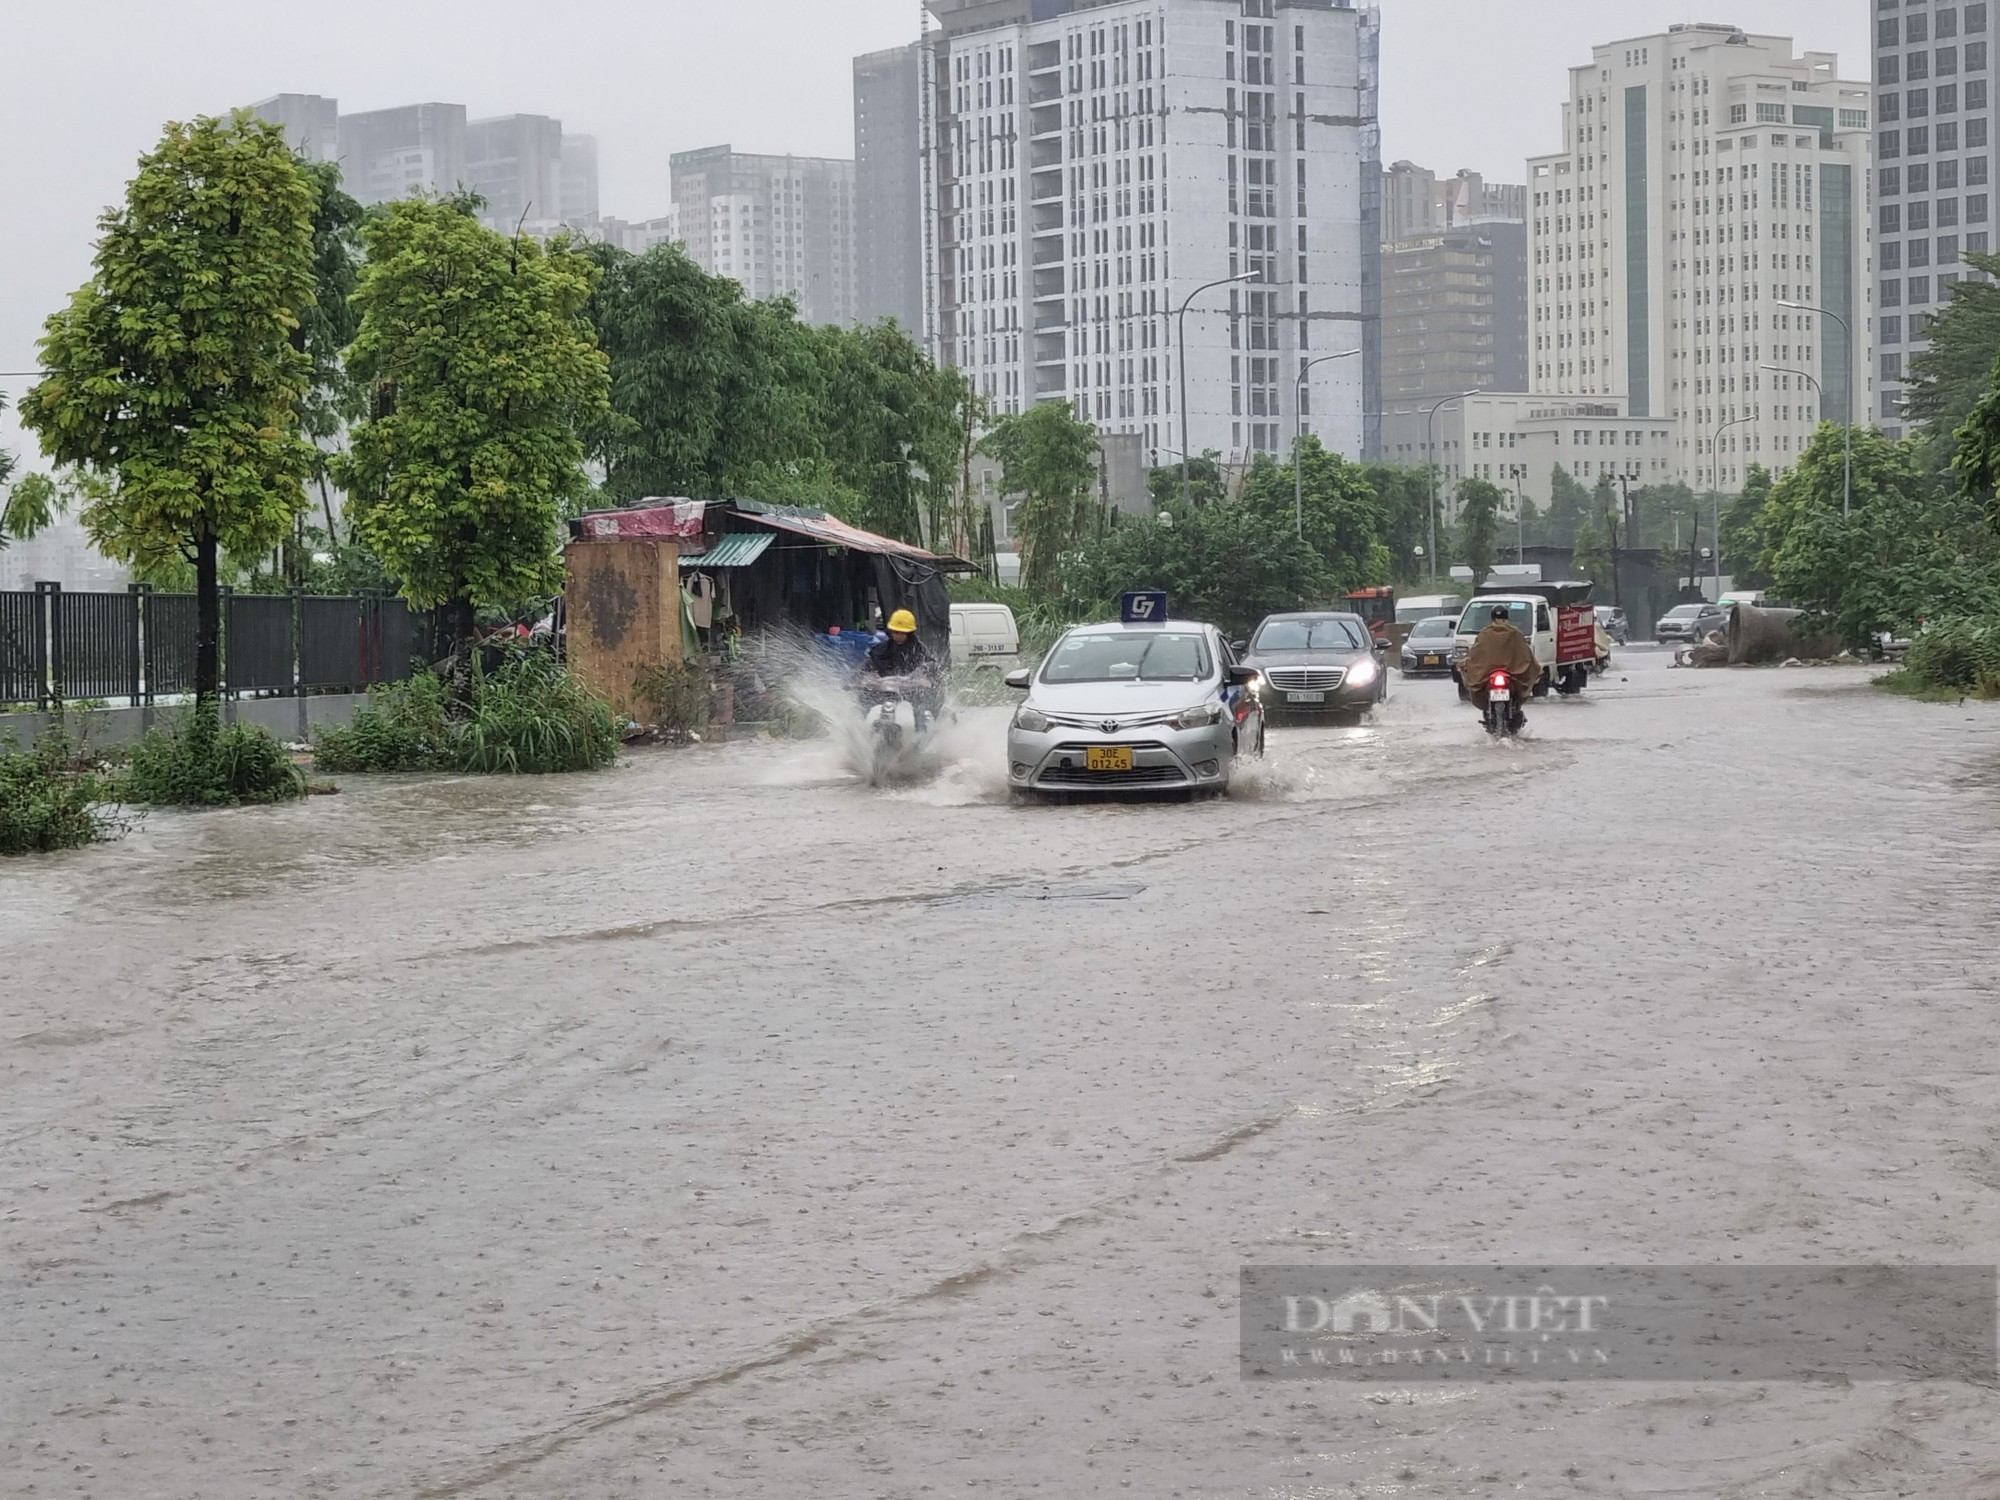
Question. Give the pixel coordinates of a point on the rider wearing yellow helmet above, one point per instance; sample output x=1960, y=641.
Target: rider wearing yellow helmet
x=903, y=655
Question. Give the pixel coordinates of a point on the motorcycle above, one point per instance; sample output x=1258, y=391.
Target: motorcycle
x=1504, y=717
x=889, y=739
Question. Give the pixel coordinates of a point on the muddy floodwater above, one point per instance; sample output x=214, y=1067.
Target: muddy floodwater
x=715, y=1126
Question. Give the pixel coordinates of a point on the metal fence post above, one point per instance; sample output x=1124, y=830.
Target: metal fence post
x=48, y=603
x=136, y=638
x=298, y=671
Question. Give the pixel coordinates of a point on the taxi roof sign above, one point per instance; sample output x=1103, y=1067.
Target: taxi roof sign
x=1143, y=607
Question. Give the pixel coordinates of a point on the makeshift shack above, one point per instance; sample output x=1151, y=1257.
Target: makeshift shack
x=735, y=563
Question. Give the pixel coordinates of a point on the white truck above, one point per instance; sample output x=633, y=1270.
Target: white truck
x=1559, y=623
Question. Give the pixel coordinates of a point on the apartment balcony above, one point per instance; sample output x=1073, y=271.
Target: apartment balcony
x=1045, y=89
x=1045, y=57
x=1049, y=252
x=1045, y=120
x=1046, y=187
x=1051, y=380
x=1050, y=283
x=1045, y=153
x=1048, y=216
x=1051, y=348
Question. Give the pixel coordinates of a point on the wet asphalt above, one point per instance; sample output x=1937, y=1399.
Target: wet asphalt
x=717, y=1126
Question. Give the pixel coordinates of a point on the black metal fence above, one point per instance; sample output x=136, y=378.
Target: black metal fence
x=59, y=645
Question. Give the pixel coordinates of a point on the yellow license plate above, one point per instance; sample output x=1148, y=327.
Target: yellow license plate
x=1109, y=758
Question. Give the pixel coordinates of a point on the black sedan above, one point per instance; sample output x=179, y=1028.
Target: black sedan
x=1427, y=652
x=1320, y=663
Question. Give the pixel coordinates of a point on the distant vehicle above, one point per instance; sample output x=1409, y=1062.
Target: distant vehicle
x=984, y=635
x=1319, y=662
x=1423, y=606
x=1752, y=597
x=1131, y=707
x=1558, y=621
x=1611, y=620
x=1375, y=606
x=1427, y=653
x=1689, y=624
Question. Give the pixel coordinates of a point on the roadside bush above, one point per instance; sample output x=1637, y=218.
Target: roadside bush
x=1959, y=656
x=47, y=801
x=526, y=715
x=530, y=715
x=195, y=762
x=403, y=727
x=675, y=698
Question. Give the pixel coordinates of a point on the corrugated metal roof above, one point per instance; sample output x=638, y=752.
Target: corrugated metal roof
x=833, y=532
x=733, y=549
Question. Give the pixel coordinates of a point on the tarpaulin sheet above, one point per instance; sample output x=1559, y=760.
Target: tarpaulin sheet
x=670, y=520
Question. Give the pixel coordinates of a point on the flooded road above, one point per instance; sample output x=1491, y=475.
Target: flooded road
x=715, y=1126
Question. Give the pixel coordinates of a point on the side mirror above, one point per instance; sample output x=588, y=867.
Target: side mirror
x=1381, y=648
x=1241, y=676
x=1239, y=647
x=1018, y=678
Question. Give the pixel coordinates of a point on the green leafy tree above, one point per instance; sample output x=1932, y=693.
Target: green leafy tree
x=482, y=378
x=1569, y=505
x=1228, y=564
x=1954, y=376
x=1478, y=526
x=329, y=325
x=174, y=372
x=1342, y=515
x=1049, y=458
x=1743, y=530
x=1912, y=549
x=1409, y=521
x=1592, y=559
x=1204, y=484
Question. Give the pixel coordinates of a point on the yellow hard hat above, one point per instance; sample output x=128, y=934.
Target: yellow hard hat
x=902, y=620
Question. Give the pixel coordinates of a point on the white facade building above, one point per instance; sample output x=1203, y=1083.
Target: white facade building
x=1708, y=178
x=1098, y=161
x=781, y=226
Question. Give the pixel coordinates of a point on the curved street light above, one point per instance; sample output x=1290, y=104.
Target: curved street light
x=1187, y=483
x=1715, y=487
x=1430, y=448
x=1847, y=447
x=1298, y=438
x=1846, y=438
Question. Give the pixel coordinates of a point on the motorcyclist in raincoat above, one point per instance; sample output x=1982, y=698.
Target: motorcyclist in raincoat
x=1500, y=646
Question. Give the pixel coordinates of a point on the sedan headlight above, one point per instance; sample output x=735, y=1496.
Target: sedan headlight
x=1201, y=716
x=1362, y=672
x=1032, y=720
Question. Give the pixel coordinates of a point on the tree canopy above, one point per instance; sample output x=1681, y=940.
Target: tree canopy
x=1343, y=516
x=175, y=372
x=1049, y=458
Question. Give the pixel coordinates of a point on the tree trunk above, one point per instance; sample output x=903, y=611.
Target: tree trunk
x=207, y=622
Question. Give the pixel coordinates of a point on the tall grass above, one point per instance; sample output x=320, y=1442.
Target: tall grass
x=1952, y=658
x=524, y=716
x=49, y=798
x=195, y=762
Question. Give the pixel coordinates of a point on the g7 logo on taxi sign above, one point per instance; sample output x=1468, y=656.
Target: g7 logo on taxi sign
x=1143, y=607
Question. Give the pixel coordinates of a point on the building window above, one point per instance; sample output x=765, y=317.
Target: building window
x=1975, y=208
x=1889, y=181
x=1892, y=293
x=1891, y=330
x=1767, y=114
x=1919, y=252
x=1947, y=135
x=1738, y=113
x=1892, y=256
x=1920, y=290
x=1947, y=250
x=1892, y=218
x=1889, y=145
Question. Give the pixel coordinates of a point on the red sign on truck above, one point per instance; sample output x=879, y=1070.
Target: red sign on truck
x=1576, y=634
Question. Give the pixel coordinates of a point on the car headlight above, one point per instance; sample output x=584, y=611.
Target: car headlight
x=1033, y=720
x=1201, y=716
x=1362, y=672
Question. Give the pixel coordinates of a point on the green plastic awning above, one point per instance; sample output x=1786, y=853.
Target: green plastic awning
x=733, y=549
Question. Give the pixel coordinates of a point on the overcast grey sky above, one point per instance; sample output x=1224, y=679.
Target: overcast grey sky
x=1466, y=83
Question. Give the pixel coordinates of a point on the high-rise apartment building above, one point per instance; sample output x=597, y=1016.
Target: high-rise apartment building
x=781, y=226
x=387, y=154
x=1712, y=187
x=515, y=162
x=579, y=179
x=1455, y=312
x=1934, y=171
x=311, y=122
x=1416, y=202
x=1098, y=163
x=888, y=187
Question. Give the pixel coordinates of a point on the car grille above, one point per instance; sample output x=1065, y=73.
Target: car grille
x=1306, y=679
x=1137, y=776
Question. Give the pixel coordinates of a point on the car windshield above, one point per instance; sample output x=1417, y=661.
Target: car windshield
x=1310, y=635
x=1685, y=611
x=1479, y=615
x=1440, y=626
x=1606, y=614
x=1129, y=656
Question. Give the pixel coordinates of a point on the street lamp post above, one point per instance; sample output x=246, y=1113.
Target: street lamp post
x=1847, y=439
x=1715, y=490
x=1298, y=438
x=1187, y=481
x=1430, y=448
